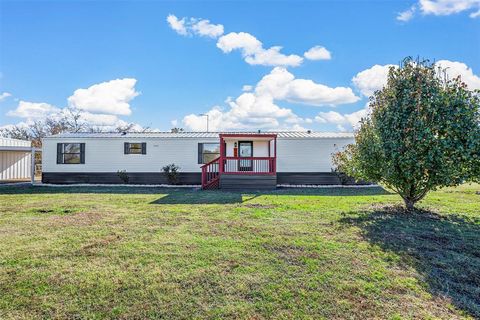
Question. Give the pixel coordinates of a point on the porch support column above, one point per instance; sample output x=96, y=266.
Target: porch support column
x=275, y=155
x=222, y=152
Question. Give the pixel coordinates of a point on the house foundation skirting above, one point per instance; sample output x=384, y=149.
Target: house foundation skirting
x=190, y=178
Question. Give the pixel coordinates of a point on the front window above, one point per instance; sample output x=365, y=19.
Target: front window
x=71, y=153
x=135, y=148
x=210, y=151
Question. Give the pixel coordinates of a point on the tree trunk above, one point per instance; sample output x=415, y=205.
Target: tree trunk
x=409, y=204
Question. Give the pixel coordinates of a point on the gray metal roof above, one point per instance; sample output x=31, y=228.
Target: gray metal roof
x=280, y=134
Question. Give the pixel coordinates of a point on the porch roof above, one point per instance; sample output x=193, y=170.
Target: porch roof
x=250, y=136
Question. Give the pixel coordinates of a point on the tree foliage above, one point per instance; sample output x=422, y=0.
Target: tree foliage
x=423, y=133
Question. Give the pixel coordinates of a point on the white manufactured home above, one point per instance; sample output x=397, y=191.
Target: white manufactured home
x=211, y=159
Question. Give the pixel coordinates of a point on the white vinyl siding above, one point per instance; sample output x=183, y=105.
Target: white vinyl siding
x=107, y=154
x=308, y=155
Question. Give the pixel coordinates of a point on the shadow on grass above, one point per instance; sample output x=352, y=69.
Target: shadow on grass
x=200, y=197
x=445, y=250
x=119, y=189
x=224, y=197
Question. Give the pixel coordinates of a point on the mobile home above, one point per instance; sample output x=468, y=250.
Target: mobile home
x=214, y=160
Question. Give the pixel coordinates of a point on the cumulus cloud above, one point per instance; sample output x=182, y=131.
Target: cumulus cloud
x=190, y=26
x=177, y=24
x=370, y=80
x=253, y=52
x=32, y=110
x=317, y=53
x=98, y=106
x=343, y=121
x=205, y=28
x=442, y=8
x=282, y=85
x=455, y=69
x=111, y=97
x=258, y=108
x=375, y=78
x=4, y=96
x=250, y=47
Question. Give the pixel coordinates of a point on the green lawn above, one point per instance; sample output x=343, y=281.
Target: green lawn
x=181, y=254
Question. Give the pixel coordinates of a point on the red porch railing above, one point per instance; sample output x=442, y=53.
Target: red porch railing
x=211, y=174
x=235, y=165
x=248, y=165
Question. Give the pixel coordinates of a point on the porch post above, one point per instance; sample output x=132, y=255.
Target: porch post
x=222, y=152
x=275, y=156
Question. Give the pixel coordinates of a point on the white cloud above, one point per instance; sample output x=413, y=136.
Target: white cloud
x=407, y=15
x=201, y=27
x=207, y=29
x=258, y=109
x=282, y=85
x=110, y=97
x=447, y=7
x=177, y=24
x=317, y=53
x=370, y=80
x=375, y=78
x=4, y=96
x=253, y=52
x=455, y=69
x=251, y=48
x=351, y=120
x=98, y=105
x=33, y=110
x=442, y=8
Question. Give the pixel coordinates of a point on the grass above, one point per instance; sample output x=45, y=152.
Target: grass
x=163, y=253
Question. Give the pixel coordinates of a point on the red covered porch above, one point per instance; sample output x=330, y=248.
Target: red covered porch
x=245, y=158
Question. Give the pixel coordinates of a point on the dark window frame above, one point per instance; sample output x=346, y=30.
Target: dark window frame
x=127, y=149
x=61, y=152
x=201, y=153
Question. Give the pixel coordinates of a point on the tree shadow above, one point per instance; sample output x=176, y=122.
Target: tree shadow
x=444, y=249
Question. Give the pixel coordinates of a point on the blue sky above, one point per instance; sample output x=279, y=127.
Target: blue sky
x=132, y=66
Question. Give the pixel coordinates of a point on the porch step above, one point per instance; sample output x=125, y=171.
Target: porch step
x=247, y=182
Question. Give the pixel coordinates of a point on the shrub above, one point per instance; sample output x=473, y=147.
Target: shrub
x=171, y=171
x=122, y=174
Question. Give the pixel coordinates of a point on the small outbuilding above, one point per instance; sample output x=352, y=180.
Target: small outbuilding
x=17, y=160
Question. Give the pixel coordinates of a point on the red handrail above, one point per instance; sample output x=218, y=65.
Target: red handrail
x=248, y=165
x=210, y=173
